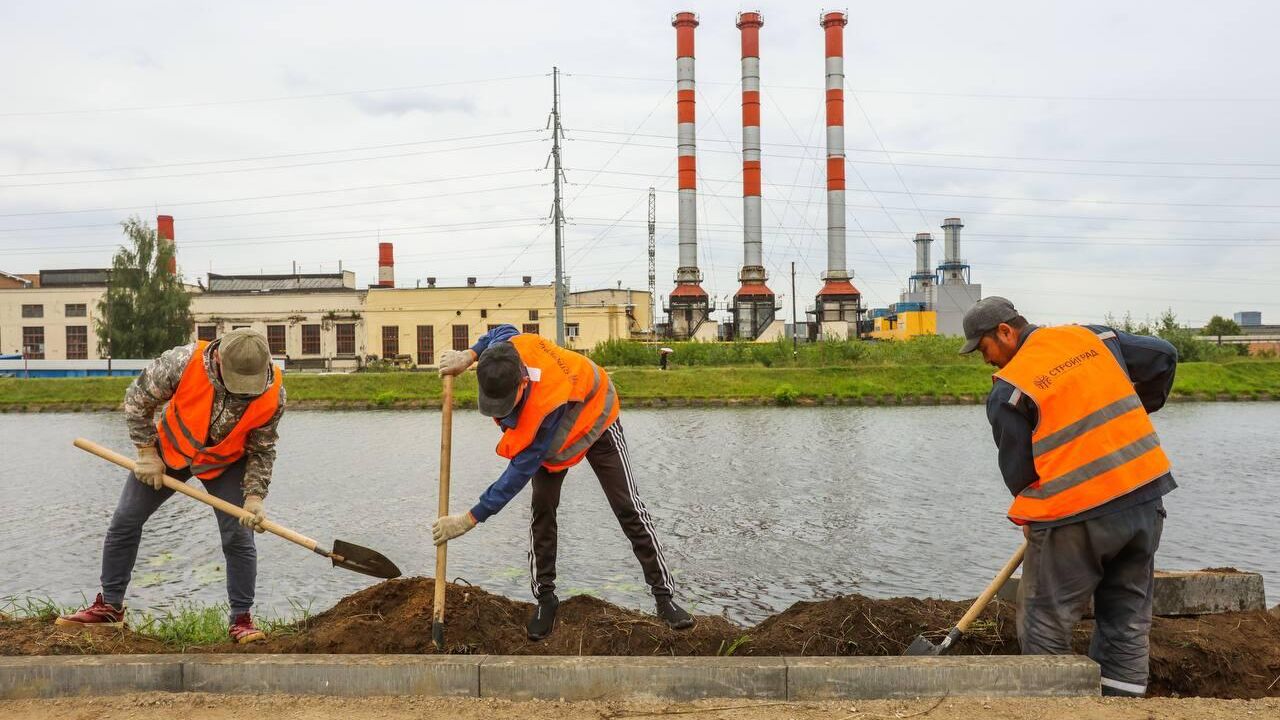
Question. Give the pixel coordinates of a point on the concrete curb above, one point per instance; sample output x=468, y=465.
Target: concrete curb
x=1197, y=592
x=543, y=677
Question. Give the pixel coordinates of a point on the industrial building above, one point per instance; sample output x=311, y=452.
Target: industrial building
x=936, y=299
x=51, y=314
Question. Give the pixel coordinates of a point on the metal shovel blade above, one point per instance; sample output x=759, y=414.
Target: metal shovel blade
x=922, y=646
x=363, y=560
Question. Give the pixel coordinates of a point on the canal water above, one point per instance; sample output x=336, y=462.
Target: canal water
x=758, y=507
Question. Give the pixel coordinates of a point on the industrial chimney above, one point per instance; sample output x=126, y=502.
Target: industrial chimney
x=923, y=241
x=753, y=304
x=953, y=270
x=386, y=265
x=921, y=290
x=689, y=305
x=838, y=304
x=164, y=231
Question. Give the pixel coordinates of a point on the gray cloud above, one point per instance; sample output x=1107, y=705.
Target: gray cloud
x=419, y=101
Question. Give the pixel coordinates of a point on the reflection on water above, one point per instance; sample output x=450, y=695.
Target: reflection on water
x=757, y=507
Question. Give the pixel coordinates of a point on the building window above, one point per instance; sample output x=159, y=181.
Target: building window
x=571, y=330
x=77, y=310
x=484, y=313
x=33, y=342
x=346, y=339
x=531, y=328
x=533, y=315
x=239, y=327
x=275, y=339
x=78, y=342
x=460, y=337
x=32, y=311
x=310, y=339
x=390, y=341
x=208, y=333
x=426, y=344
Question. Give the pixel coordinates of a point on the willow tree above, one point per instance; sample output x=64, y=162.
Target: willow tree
x=146, y=309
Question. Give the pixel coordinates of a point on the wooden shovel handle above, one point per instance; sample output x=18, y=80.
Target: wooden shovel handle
x=446, y=450
x=204, y=497
x=1001, y=578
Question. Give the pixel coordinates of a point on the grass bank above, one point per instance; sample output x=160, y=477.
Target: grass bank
x=961, y=382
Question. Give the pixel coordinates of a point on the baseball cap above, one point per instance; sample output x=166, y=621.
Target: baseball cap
x=498, y=374
x=985, y=316
x=245, y=362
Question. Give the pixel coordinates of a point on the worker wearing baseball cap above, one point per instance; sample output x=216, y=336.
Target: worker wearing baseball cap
x=555, y=408
x=1069, y=411
x=225, y=399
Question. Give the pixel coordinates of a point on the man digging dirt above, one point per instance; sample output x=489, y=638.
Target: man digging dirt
x=1069, y=411
x=225, y=399
x=555, y=407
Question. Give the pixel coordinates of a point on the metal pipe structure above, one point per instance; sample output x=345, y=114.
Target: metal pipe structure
x=164, y=232
x=753, y=304
x=386, y=265
x=923, y=241
x=689, y=302
x=954, y=270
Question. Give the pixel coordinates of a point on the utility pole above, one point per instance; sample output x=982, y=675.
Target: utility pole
x=653, y=286
x=795, y=326
x=557, y=213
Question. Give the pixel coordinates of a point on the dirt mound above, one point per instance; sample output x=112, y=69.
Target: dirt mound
x=41, y=637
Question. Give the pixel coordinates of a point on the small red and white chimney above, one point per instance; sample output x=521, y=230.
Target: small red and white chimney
x=164, y=231
x=386, y=265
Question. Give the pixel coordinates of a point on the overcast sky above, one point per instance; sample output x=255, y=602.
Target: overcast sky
x=1105, y=157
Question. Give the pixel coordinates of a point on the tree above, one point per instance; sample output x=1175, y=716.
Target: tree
x=1219, y=325
x=146, y=309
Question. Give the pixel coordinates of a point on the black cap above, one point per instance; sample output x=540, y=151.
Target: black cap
x=985, y=316
x=499, y=375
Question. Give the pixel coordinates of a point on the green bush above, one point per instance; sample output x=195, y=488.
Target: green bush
x=923, y=350
x=785, y=395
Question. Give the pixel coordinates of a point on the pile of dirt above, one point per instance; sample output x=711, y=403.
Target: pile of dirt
x=1231, y=655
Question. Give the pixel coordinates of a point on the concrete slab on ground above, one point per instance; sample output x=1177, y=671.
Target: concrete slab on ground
x=70, y=676
x=1197, y=592
x=598, y=678
x=904, y=677
x=348, y=675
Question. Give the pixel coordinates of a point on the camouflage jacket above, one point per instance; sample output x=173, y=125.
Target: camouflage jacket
x=158, y=383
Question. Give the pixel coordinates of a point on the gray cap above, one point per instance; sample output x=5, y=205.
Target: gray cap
x=985, y=316
x=245, y=362
x=498, y=374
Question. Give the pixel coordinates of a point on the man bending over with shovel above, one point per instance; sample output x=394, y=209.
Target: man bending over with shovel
x=225, y=401
x=1069, y=410
x=555, y=407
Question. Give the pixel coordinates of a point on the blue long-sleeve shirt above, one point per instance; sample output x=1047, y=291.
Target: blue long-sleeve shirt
x=1151, y=363
x=523, y=466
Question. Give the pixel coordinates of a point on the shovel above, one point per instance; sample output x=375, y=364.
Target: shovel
x=344, y=554
x=442, y=550
x=922, y=646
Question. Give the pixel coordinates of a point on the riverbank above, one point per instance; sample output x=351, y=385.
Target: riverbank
x=649, y=387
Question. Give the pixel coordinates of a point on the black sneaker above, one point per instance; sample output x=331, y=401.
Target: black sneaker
x=543, y=619
x=674, y=615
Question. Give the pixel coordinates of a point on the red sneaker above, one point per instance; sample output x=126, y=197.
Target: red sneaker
x=99, y=614
x=243, y=630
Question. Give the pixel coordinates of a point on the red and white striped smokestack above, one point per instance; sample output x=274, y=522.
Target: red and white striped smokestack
x=837, y=275
x=164, y=231
x=752, y=275
x=386, y=265
x=687, y=275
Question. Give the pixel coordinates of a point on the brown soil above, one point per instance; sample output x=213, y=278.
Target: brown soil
x=1232, y=655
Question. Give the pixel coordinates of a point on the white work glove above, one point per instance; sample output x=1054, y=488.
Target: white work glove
x=253, y=504
x=451, y=526
x=456, y=362
x=150, y=468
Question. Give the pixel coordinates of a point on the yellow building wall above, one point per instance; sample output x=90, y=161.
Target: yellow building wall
x=53, y=303
x=227, y=311
x=907, y=325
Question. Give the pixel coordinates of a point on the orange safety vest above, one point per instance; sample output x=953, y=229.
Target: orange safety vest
x=558, y=376
x=185, y=425
x=1094, y=441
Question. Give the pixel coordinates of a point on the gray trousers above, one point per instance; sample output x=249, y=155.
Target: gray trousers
x=138, y=502
x=1110, y=560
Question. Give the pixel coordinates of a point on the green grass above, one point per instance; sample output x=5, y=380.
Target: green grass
x=187, y=625
x=779, y=385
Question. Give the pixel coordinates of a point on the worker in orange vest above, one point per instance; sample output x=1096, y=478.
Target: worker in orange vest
x=555, y=408
x=1069, y=412
x=225, y=399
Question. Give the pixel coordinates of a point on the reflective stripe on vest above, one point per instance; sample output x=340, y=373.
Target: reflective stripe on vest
x=1094, y=441
x=184, y=426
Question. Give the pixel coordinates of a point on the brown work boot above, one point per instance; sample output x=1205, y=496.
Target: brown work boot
x=97, y=615
x=243, y=630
